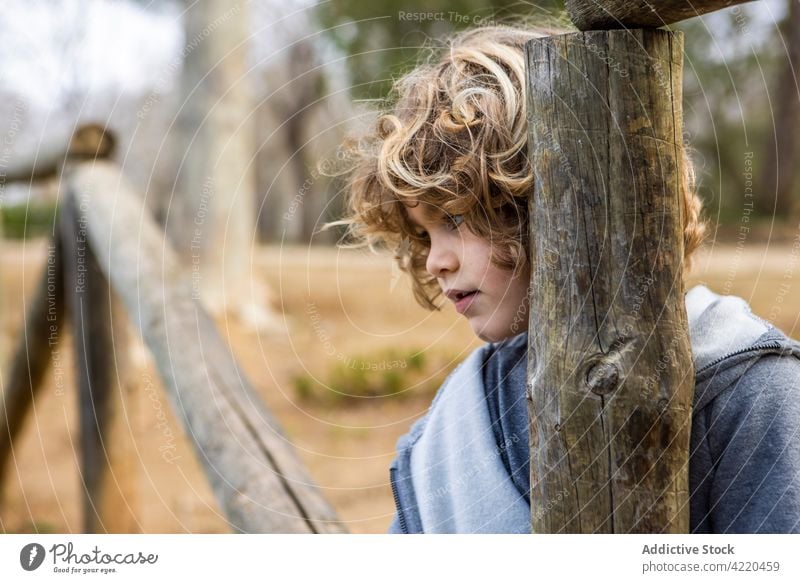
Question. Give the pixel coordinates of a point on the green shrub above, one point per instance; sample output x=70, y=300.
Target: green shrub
x=390, y=373
x=28, y=220
x=416, y=361
x=303, y=387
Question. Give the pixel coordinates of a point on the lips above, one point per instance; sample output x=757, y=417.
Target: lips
x=457, y=294
x=462, y=298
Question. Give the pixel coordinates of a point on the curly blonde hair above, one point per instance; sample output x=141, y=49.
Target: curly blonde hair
x=456, y=141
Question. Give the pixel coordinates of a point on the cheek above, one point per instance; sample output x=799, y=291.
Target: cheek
x=506, y=293
x=517, y=289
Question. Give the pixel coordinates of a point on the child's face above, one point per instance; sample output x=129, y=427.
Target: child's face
x=460, y=261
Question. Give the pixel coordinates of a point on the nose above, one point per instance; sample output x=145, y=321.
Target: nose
x=442, y=257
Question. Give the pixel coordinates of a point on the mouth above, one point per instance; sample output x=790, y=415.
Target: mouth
x=462, y=299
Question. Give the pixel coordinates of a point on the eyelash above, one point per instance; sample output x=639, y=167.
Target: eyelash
x=453, y=222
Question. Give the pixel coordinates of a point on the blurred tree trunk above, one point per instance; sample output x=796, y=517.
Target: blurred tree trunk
x=296, y=136
x=277, y=183
x=780, y=179
x=284, y=179
x=210, y=219
x=286, y=168
x=3, y=317
x=303, y=109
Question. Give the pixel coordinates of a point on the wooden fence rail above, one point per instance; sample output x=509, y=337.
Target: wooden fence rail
x=112, y=255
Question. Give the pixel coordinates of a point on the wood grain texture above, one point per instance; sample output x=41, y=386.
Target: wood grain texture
x=614, y=14
x=250, y=462
x=610, y=369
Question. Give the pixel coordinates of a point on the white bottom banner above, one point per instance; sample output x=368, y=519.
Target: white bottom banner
x=385, y=558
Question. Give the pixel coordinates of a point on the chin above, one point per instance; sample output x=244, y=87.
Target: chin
x=489, y=335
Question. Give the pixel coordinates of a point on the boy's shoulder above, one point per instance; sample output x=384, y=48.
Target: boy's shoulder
x=745, y=452
x=728, y=340
x=745, y=455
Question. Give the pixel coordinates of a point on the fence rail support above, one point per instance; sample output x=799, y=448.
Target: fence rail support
x=257, y=478
x=106, y=405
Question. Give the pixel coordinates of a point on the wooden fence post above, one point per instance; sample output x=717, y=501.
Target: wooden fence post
x=106, y=404
x=610, y=371
x=610, y=368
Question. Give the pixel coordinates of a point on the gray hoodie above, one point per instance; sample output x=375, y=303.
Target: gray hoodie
x=465, y=467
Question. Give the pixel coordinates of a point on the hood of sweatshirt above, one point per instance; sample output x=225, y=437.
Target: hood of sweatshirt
x=720, y=325
x=726, y=337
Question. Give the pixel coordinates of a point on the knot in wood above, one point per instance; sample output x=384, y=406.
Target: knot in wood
x=662, y=405
x=602, y=377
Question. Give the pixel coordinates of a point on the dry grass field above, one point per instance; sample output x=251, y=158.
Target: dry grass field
x=337, y=310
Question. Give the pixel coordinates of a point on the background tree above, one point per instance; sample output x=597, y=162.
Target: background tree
x=302, y=105
x=210, y=218
x=780, y=175
x=383, y=39
x=733, y=66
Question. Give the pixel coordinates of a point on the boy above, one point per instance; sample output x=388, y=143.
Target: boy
x=444, y=181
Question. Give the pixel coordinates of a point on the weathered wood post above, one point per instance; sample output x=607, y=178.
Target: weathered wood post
x=44, y=319
x=106, y=407
x=106, y=403
x=610, y=373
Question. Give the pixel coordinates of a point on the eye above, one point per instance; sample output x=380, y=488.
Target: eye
x=454, y=221
x=422, y=235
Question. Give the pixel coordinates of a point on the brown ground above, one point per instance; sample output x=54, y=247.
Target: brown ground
x=363, y=309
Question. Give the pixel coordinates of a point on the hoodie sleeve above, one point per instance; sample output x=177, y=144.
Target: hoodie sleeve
x=754, y=438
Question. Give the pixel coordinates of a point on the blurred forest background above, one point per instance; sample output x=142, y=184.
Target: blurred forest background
x=241, y=103
x=312, y=67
